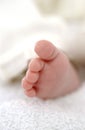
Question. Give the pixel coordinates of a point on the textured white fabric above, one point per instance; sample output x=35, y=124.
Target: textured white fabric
x=18, y=112
x=40, y=115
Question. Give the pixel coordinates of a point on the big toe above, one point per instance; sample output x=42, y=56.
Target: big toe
x=46, y=50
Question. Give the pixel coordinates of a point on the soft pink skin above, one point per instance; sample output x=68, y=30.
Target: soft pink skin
x=51, y=75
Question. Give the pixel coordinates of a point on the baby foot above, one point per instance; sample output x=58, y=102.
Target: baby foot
x=50, y=75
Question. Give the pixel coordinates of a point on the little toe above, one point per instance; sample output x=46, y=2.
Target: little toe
x=36, y=65
x=46, y=50
x=31, y=92
x=32, y=77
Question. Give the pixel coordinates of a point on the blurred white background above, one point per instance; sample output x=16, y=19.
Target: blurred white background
x=21, y=19
x=15, y=15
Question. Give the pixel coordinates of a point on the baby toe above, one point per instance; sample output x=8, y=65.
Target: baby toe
x=32, y=77
x=31, y=92
x=26, y=85
x=36, y=65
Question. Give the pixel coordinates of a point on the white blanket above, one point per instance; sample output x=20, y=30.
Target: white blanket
x=18, y=112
